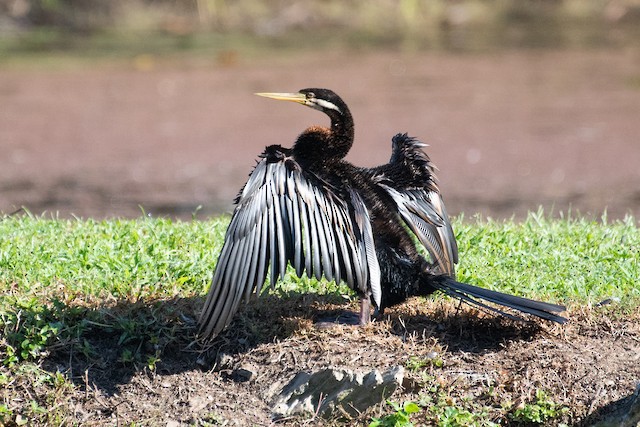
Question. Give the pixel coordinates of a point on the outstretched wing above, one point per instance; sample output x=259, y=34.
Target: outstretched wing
x=286, y=215
x=410, y=181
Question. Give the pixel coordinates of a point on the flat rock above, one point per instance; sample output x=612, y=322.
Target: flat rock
x=336, y=389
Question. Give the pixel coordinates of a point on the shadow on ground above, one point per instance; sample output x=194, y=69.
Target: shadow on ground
x=112, y=344
x=135, y=360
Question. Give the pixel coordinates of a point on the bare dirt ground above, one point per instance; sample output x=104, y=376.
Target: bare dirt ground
x=588, y=367
x=510, y=131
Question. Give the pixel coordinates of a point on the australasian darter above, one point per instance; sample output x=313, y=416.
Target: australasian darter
x=308, y=207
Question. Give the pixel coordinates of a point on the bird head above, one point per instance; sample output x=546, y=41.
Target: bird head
x=324, y=100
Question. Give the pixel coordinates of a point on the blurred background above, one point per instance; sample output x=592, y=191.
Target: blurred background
x=123, y=108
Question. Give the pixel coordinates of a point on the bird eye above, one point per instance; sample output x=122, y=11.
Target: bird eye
x=310, y=95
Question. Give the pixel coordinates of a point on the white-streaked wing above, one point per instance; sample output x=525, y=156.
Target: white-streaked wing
x=426, y=216
x=410, y=181
x=283, y=216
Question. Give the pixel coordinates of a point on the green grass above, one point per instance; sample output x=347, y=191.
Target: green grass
x=65, y=282
x=64, y=279
x=572, y=261
x=577, y=261
x=121, y=258
x=62, y=272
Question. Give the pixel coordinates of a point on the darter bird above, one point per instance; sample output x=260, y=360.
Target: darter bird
x=308, y=207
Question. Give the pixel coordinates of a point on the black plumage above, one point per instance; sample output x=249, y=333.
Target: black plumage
x=306, y=206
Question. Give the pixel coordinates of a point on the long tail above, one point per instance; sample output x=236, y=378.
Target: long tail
x=469, y=293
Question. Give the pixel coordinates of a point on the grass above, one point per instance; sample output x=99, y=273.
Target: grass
x=139, y=283
x=122, y=258
x=577, y=261
x=440, y=408
x=574, y=261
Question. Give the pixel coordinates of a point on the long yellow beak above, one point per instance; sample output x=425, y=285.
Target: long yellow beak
x=300, y=98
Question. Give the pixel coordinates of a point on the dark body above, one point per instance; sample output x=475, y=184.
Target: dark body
x=306, y=206
x=401, y=266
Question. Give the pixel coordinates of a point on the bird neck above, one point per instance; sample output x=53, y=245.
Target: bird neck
x=341, y=135
x=318, y=145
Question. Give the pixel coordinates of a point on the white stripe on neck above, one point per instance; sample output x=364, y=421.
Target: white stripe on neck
x=327, y=105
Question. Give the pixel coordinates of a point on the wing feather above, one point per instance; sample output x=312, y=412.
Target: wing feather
x=285, y=215
x=424, y=214
x=306, y=235
x=263, y=264
x=343, y=253
x=254, y=246
x=410, y=181
x=273, y=250
x=373, y=268
x=314, y=254
x=324, y=233
x=296, y=230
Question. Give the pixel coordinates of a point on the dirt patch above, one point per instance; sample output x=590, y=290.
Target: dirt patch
x=588, y=366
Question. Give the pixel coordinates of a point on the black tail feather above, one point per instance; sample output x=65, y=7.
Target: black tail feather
x=468, y=293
